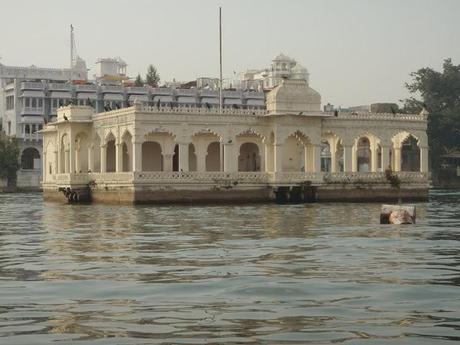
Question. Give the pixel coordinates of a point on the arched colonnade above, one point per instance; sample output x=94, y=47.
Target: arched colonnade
x=247, y=151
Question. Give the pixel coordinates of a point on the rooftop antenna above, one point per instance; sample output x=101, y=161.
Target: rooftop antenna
x=72, y=42
x=220, y=58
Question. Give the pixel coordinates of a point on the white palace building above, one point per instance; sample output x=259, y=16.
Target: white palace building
x=288, y=150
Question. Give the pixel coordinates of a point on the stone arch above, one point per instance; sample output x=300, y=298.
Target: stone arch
x=249, y=157
x=405, y=154
x=410, y=154
x=167, y=142
x=109, y=136
x=297, y=152
x=250, y=150
x=208, y=130
x=152, y=159
x=208, y=158
x=365, y=153
x=213, y=157
x=110, y=158
x=251, y=131
x=335, y=146
x=30, y=159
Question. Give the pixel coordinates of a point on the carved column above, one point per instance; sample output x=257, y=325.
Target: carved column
x=354, y=158
x=397, y=158
x=385, y=150
x=200, y=152
x=184, y=157
x=333, y=159
x=316, y=158
x=103, y=158
x=77, y=158
x=137, y=156
x=66, y=161
x=347, y=158
x=56, y=162
x=424, y=159
x=229, y=164
x=119, y=157
x=221, y=156
x=72, y=156
x=44, y=171
x=91, y=158
x=308, y=163
x=168, y=161
x=269, y=153
x=278, y=157
x=374, y=157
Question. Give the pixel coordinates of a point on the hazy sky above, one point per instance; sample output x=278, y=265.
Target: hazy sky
x=357, y=51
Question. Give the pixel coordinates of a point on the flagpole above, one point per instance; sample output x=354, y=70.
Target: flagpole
x=220, y=58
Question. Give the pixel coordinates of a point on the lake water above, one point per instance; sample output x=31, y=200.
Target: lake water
x=245, y=274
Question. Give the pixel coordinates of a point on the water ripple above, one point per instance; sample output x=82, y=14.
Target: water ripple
x=247, y=274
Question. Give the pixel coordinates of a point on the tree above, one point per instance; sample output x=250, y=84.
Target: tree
x=152, y=77
x=9, y=159
x=440, y=93
x=138, y=81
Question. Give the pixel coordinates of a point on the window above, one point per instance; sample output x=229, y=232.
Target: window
x=27, y=104
x=40, y=103
x=9, y=127
x=9, y=102
x=34, y=102
x=55, y=103
x=33, y=129
x=28, y=158
x=27, y=130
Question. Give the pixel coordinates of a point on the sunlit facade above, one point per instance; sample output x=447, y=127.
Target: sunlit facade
x=155, y=153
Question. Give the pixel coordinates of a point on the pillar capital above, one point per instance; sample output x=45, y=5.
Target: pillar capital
x=184, y=143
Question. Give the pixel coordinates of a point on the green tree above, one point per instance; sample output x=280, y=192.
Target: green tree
x=152, y=77
x=138, y=81
x=9, y=159
x=440, y=93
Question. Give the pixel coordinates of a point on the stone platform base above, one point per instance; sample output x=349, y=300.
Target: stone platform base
x=294, y=194
x=376, y=194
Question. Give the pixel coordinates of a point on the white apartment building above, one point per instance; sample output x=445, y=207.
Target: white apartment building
x=30, y=97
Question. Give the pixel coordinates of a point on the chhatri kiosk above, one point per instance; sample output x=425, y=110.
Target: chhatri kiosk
x=289, y=151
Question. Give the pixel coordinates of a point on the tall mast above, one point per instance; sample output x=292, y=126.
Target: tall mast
x=71, y=46
x=220, y=58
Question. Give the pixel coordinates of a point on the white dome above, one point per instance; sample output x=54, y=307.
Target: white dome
x=299, y=69
x=282, y=57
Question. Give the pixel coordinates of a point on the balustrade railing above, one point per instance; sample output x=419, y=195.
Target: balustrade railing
x=31, y=85
x=380, y=116
x=295, y=177
x=373, y=177
x=201, y=111
x=177, y=177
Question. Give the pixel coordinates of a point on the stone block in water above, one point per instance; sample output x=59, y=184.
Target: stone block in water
x=397, y=214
